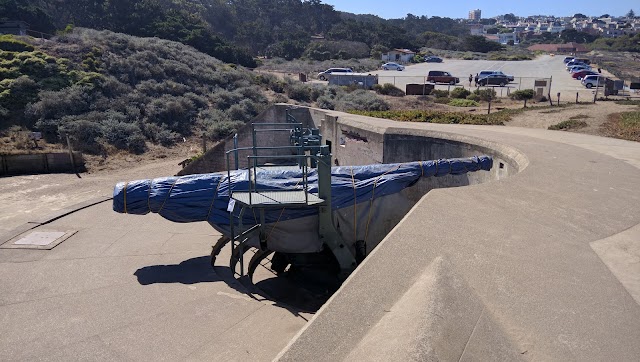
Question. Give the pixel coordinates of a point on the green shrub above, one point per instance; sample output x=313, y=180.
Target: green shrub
x=524, y=94
x=485, y=94
x=460, y=92
x=389, y=90
x=430, y=116
x=298, y=91
x=463, y=103
x=360, y=100
x=11, y=44
x=473, y=97
x=439, y=93
x=326, y=102
x=83, y=134
x=442, y=100
x=125, y=136
x=568, y=125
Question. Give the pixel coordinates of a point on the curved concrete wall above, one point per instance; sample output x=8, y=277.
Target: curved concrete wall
x=537, y=265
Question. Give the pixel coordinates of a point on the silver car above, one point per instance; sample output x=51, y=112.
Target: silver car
x=591, y=81
x=392, y=66
x=325, y=75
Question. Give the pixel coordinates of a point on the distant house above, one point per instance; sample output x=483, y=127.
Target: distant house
x=573, y=48
x=505, y=38
x=15, y=27
x=476, y=29
x=398, y=55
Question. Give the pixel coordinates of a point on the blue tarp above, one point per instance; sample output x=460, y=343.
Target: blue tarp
x=205, y=197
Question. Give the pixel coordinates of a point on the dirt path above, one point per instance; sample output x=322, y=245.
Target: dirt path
x=594, y=115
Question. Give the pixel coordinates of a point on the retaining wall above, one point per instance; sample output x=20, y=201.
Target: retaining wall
x=40, y=163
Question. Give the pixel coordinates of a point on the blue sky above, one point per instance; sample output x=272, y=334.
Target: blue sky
x=460, y=9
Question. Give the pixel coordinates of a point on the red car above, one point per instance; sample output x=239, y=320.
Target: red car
x=583, y=73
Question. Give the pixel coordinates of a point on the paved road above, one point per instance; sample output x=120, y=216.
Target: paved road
x=525, y=73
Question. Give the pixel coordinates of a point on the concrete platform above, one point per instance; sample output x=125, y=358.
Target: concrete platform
x=542, y=265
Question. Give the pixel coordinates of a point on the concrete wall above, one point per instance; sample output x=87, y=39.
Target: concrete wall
x=355, y=143
x=40, y=163
x=214, y=160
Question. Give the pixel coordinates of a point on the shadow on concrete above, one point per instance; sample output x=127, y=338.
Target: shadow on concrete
x=280, y=291
x=191, y=271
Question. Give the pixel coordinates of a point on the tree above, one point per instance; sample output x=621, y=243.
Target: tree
x=492, y=31
x=579, y=16
x=510, y=18
x=631, y=14
x=480, y=44
x=604, y=16
x=523, y=95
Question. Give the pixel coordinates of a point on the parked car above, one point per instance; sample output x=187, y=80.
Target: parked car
x=392, y=66
x=568, y=59
x=439, y=76
x=485, y=73
x=583, y=73
x=591, y=81
x=494, y=79
x=433, y=59
x=577, y=68
x=325, y=75
x=575, y=62
x=583, y=60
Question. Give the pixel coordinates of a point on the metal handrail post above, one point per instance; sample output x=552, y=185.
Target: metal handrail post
x=235, y=147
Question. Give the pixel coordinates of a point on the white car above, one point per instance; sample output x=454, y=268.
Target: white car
x=392, y=66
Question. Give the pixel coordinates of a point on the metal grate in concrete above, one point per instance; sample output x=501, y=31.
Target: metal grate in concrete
x=43, y=239
x=40, y=238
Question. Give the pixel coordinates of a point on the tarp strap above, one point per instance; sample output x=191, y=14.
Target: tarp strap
x=355, y=208
x=167, y=197
x=149, y=195
x=215, y=193
x=421, y=169
x=279, y=217
x=373, y=193
x=125, y=196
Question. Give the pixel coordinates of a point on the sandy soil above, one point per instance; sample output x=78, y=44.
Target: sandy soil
x=25, y=198
x=594, y=115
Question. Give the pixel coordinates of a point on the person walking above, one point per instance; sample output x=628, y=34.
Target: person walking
x=470, y=79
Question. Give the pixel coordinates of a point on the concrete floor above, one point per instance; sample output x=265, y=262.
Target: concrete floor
x=123, y=287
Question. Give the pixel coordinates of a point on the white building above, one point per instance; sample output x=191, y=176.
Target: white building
x=398, y=55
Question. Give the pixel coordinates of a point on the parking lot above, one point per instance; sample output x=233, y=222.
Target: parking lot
x=525, y=73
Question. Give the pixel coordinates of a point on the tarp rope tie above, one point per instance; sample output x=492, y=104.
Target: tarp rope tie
x=279, y=217
x=355, y=207
x=421, y=169
x=125, y=196
x=373, y=193
x=215, y=193
x=168, y=195
x=149, y=194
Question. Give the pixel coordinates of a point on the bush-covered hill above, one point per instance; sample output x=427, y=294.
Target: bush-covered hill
x=113, y=90
x=234, y=31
